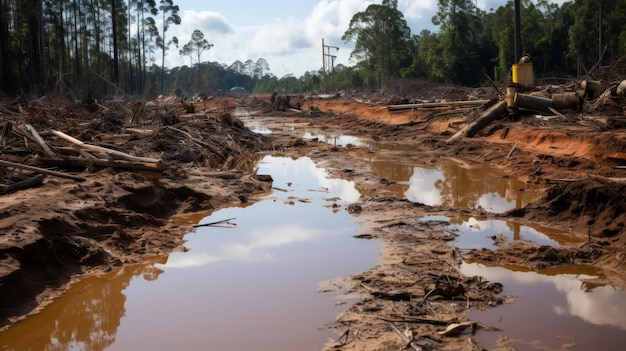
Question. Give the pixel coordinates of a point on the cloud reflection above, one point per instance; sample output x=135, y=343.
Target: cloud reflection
x=304, y=174
x=254, y=246
x=603, y=305
x=269, y=225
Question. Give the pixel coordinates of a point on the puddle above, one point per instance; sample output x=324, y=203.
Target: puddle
x=475, y=234
x=450, y=183
x=251, y=286
x=337, y=140
x=453, y=184
x=554, y=310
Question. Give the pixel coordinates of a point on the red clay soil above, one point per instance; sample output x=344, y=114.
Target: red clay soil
x=62, y=230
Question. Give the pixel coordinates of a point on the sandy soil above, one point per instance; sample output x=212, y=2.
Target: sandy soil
x=62, y=230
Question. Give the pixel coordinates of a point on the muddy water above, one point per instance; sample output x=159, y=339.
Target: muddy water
x=450, y=183
x=256, y=281
x=554, y=310
x=454, y=184
x=253, y=283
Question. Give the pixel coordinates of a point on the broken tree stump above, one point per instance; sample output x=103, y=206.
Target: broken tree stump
x=493, y=113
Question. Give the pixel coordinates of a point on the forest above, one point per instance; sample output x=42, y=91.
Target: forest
x=97, y=48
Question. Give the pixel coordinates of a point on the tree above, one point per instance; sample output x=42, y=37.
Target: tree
x=461, y=30
x=381, y=37
x=145, y=25
x=260, y=67
x=170, y=16
x=197, y=45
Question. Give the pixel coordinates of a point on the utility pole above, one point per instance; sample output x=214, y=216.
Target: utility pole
x=325, y=54
x=324, y=66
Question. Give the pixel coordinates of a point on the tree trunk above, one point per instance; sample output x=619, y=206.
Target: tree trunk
x=4, y=40
x=116, y=62
x=36, y=46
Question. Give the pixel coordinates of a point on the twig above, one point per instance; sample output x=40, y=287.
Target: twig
x=198, y=141
x=512, y=149
x=404, y=338
x=409, y=319
x=494, y=86
x=225, y=221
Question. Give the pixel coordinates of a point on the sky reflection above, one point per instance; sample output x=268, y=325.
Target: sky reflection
x=554, y=308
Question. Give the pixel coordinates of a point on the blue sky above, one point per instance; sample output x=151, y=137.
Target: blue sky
x=288, y=34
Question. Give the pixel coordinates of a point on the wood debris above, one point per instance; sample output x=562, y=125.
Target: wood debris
x=61, y=138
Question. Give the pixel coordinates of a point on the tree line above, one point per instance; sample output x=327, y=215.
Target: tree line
x=102, y=47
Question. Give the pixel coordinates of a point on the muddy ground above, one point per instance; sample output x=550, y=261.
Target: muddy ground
x=64, y=229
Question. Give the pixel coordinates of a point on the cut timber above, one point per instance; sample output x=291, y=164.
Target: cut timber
x=102, y=149
x=40, y=170
x=437, y=104
x=40, y=141
x=493, y=113
x=608, y=180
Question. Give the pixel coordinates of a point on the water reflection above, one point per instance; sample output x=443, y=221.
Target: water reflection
x=258, y=239
x=252, y=286
x=85, y=318
x=454, y=184
x=260, y=129
x=475, y=234
x=556, y=309
x=337, y=140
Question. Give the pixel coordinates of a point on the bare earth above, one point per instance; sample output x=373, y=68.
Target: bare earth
x=62, y=230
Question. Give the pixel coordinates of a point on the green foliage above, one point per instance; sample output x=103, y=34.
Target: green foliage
x=381, y=37
x=85, y=45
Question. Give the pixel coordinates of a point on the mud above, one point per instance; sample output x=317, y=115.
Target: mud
x=61, y=231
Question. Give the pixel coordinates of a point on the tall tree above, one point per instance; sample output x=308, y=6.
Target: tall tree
x=145, y=10
x=199, y=44
x=381, y=37
x=460, y=24
x=4, y=43
x=170, y=16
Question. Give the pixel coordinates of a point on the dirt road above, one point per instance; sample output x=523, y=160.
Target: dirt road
x=62, y=230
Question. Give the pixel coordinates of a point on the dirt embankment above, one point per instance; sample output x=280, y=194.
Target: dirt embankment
x=63, y=229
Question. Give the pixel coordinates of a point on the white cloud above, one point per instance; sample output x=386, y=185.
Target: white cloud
x=290, y=41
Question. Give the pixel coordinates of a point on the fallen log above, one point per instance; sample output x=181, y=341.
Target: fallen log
x=103, y=149
x=39, y=140
x=24, y=184
x=437, y=104
x=493, y=113
x=41, y=170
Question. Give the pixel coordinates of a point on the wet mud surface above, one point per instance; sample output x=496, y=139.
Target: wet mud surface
x=58, y=232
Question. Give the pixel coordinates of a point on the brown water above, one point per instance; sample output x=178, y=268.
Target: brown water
x=258, y=285
x=254, y=286
x=554, y=310
x=454, y=184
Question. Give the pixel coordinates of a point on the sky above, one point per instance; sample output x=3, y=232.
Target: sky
x=287, y=34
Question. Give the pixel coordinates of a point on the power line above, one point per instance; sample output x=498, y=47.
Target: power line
x=326, y=55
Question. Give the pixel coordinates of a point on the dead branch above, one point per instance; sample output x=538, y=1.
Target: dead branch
x=40, y=170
